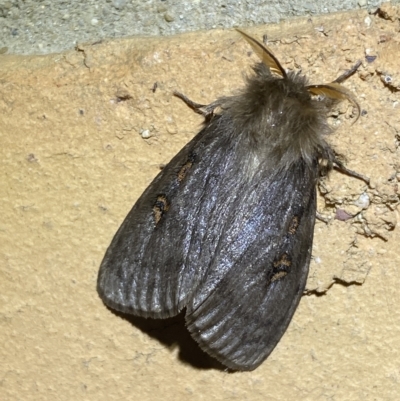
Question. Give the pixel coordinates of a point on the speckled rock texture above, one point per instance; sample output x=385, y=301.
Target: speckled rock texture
x=84, y=132
x=49, y=26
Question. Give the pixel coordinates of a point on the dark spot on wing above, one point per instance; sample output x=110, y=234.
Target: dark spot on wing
x=281, y=268
x=186, y=167
x=160, y=207
x=294, y=224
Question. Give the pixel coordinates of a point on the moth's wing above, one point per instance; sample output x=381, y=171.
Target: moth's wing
x=260, y=266
x=153, y=264
x=222, y=234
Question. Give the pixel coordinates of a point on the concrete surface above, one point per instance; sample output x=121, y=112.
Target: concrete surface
x=49, y=26
x=74, y=160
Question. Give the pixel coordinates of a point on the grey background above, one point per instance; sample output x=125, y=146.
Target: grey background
x=48, y=26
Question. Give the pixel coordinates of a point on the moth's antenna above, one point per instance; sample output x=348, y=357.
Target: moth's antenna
x=265, y=55
x=336, y=91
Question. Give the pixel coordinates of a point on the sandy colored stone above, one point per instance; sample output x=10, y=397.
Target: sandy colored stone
x=74, y=160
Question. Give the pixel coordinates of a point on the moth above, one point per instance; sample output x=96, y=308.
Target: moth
x=226, y=228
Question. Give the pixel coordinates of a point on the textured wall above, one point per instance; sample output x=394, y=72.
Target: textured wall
x=73, y=161
x=32, y=26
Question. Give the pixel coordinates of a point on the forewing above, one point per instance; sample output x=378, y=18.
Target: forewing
x=259, y=270
x=153, y=265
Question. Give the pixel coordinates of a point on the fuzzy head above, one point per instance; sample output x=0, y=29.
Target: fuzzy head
x=280, y=114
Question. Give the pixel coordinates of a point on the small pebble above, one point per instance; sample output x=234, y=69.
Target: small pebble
x=145, y=134
x=168, y=17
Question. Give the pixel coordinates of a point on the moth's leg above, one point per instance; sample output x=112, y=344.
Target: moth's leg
x=338, y=165
x=347, y=73
x=206, y=110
